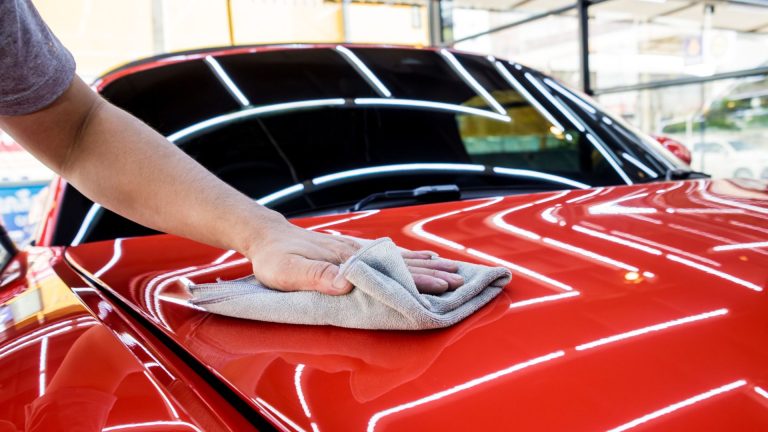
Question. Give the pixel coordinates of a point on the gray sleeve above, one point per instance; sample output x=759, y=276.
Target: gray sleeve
x=35, y=68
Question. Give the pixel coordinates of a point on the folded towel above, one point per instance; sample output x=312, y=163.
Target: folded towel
x=384, y=297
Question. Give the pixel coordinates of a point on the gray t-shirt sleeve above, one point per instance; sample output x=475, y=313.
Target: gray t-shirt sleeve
x=35, y=68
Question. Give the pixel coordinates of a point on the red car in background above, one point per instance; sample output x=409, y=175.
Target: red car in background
x=638, y=298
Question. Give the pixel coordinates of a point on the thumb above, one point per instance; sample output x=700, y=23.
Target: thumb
x=321, y=276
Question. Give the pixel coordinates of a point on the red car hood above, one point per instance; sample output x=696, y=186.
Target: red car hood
x=639, y=306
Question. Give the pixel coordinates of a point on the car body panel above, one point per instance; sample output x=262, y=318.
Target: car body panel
x=632, y=306
x=50, y=321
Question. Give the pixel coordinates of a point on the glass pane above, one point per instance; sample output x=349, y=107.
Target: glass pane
x=401, y=24
x=270, y=21
x=641, y=41
x=724, y=123
x=549, y=44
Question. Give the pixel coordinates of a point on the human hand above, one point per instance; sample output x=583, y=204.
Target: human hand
x=289, y=258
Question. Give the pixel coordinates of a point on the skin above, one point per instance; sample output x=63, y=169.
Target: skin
x=116, y=160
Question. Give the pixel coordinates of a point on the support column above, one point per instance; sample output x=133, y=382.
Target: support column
x=586, y=85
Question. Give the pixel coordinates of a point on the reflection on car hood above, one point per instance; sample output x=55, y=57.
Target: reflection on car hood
x=629, y=305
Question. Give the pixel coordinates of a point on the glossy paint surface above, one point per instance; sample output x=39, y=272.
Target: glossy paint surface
x=67, y=357
x=631, y=308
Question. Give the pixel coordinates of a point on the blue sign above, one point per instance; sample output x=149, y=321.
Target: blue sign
x=16, y=201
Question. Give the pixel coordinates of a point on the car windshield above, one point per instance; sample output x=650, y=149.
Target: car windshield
x=306, y=130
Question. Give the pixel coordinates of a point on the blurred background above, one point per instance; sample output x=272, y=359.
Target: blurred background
x=693, y=71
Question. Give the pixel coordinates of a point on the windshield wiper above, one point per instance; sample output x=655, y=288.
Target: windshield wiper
x=684, y=174
x=449, y=192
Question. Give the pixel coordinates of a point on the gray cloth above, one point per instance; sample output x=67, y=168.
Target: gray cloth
x=384, y=297
x=35, y=69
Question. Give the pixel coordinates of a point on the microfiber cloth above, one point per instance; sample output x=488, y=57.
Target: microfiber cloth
x=384, y=295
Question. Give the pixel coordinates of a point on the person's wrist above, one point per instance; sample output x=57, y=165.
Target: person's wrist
x=261, y=232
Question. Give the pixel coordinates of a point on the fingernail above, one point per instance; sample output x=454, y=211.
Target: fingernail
x=339, y=282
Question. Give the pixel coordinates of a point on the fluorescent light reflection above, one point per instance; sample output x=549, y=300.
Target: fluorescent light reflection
x=603, y=151
x=471, y=81
x=465, y=386
x=361, y=67
x=761, y=392
x=614, y=239
x=538, y=175
x=299, y=391
x=715, y=272
x=361, y=215
x=171, y=410
x=586, y=196
x=86, y=225
x=738, y=246
x=227, y=81
x=361, y=172
x=527, y=95
x=151, y=426
x=653, y=328
x=572, y=97
x=118, y=251
x=43, y=362
x=640, y=165
x=522, y=270
x=282, y=193
x=544, y=299
x=560, y=107
x=282, y=416
x=682, y=404
x=195, y=129
x=589, y=254
x=437, y=106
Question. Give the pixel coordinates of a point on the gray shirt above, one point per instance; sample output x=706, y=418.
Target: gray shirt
x=35, y=68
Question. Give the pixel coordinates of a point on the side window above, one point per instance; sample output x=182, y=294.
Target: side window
x=527, y=141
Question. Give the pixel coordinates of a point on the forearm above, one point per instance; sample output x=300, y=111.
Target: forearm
x=117, y=161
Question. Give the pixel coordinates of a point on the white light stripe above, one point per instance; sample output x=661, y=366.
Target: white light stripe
x=418, y=229
x=299, y=391
x=363, y=214
x=252, y=112
x=740, y=246
x=439, y=106
x=709, y=197
x=454, y=63
x=171, y=410
x=43, y=362
x=178, y=301
x=282, y=416
x=544, y=92
x=714, y=272
x=653, y=328
x=397, y=168
x=361, y=67
x=539, y=175
x=465, y=386
x=522, y=270
x=585, y=196
x=682, y=404
x=152, y=424
x=282, y=193
x=527, y=95
x=6, y=352
x=86, y=225
x=614, y=239
x=590, y=254
x=544, y=299
x=640, y=165
x=118, y=251
x=227, y=81
x=48, y=330
x=665, y=247
x=224, y=257
x=571, y=96
x=610, y=159
x=314, y=427
x=761, y=392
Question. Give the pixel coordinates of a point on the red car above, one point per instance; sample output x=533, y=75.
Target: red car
x=636, y=303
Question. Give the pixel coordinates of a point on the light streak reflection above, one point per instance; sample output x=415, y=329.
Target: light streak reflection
x=653, y=328
x=715, y=272
x=738, y=246
x=544, y=299
x=461, y=387
x=676, y=406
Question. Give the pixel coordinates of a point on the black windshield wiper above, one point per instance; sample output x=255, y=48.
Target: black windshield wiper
x=684, y=174
x=425, y=194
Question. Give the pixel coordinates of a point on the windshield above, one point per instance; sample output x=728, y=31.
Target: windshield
x=306, y=129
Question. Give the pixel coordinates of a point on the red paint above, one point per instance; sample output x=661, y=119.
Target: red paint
x=67, y=341
x=646, y=301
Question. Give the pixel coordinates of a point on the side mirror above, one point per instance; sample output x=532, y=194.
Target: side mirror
x=675, y=147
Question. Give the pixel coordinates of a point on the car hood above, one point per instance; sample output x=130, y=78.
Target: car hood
x=629, y=306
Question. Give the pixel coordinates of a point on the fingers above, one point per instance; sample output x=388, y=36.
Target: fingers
x=450, y=281
x=429, y=285
x=407, y=254
x=438, y=264
x=302, y=274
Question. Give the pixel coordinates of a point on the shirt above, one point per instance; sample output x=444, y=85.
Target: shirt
x=35, y=68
